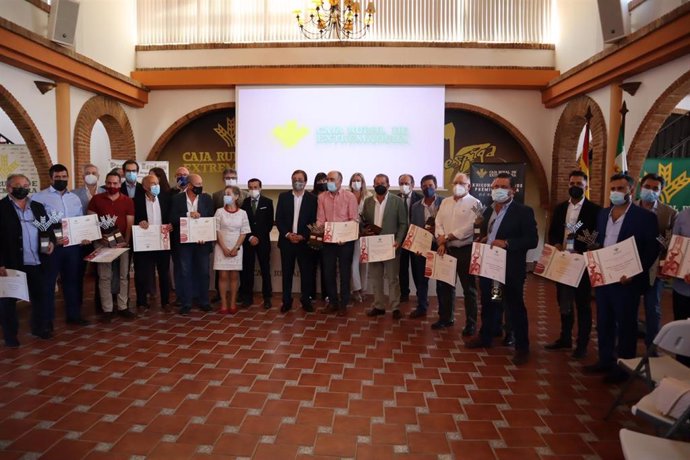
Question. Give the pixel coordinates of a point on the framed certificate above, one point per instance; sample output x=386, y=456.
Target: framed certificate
x=340, y=232
x=14, y=286
x=677, y=262
x=77, y=229
x=488, y=262
x=418, y=240
x=376, y=248
x=105, y=255
x=607, y=265
x=441, y=267
x=154, y=238
x=196, y=230
x=560, y=266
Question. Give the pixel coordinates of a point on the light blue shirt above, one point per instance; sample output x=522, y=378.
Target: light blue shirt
x=682, y=228
x=29, y=233
x=66, y=203
x=495, y=222
x=613, y=229
x=131, y=189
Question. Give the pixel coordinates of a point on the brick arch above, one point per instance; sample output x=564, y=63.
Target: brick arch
x=657, y=114
x=532, y=156
x=29, y=132
x=114, y=119
x=565, y=148
x=180, y=123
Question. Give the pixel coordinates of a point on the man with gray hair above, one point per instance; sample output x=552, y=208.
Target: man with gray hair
x=229, y=180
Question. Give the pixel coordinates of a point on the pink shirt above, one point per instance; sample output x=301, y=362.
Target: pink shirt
x=340, y=206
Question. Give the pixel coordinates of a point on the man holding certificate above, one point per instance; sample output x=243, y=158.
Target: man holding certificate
x=337, y=205
x=152, y=208
x=617, y=303
x=387, y=212
x=681, y=286
x=570, y=219
x=66, y=259
x=510, y=226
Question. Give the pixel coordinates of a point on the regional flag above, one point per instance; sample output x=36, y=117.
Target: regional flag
x=585, y=156
x=621, y=161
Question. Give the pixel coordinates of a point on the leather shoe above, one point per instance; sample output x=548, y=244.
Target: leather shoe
x=597, y=368
x=417, y=313
x=285, y=308
x=12, y=343
x=468, y=331
x=508, y=340
x=476, y=343
x=397, y=314
x=520, y=357
x=107, y=317
x=376, y=312
x=442, y=324
x=77, y=322
x=184, y=311
x=205, y=308
x=126, y=314
x=579, y=353
x=267, y=304
x=404, y=298
x=308, y=307
x=45, y=335
x=558, y=345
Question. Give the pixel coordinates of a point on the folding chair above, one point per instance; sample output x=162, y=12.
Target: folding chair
x=638, y=446
x=673, y=338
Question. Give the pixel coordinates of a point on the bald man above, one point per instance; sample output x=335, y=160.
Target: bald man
x=181, y=179
x=192, y=259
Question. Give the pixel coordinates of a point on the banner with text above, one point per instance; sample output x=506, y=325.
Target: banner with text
x=16, y=159
x=483, y=174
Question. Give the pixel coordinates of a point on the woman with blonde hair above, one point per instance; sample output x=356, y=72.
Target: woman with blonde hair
x=358, y=187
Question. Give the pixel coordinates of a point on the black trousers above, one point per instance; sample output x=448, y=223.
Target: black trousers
x=581, y=298
x=514, y=305
x=261, y=251
x=337, y=259
x=446, y=292
x=35, y=279
x=300, y=254
x=145, y=266
x=405, y=261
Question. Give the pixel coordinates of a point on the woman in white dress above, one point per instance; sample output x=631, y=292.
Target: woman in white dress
x=358, y=187
x=232, y=225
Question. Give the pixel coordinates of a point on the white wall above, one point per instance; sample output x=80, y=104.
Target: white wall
x=578, y=35
x=25, y=15
x=651, y=10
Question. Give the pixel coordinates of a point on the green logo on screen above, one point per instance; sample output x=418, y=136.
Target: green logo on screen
x=290, y=133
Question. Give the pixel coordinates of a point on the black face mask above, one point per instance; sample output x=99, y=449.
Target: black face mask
x=59, y=185
x=321, y=187
x=380, y=189
x=575, y=192
x=20, y=193
x=197, y=190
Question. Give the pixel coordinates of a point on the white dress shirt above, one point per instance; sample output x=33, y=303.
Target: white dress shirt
x=297, y=199
x=153, y=211
x=457, y=217
x=379, y=209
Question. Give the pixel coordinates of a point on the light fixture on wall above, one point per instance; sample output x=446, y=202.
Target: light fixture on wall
x=44, y=86
x=335, y=19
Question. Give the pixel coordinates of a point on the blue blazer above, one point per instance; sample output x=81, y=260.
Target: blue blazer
x=417, y=211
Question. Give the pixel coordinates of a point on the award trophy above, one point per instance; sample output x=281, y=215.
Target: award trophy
x=315, y=236
x=590, y=239
x=478, y=210
x=55, y=218
x=111, y=234
x=570, y=237
x=430, y=224
x=43, y=225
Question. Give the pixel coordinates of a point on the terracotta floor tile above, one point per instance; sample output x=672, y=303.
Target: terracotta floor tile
x=315, y=416
x=172, y=451
x=365, y=408
x=297, y=434
x=566, y=444
x=69, y=448
x=514, y=453
x=388, y=434
x=378, y=392
x=335, y=400
x=260, y=425
x=299, y=393
x=336, y=445
x=36, y=440
x=345, y=386
x=375, y=452
x=168, y=424
x=346, y=424
x=274, y=451
x=138, y=415
x=478, y=430
x=524, y=418
x=521, y=437
x=472, y=450
x=283, y=408
x=405, y=415
x=200, y=434
x=105, y=432
x=248, y=400
x=236, y=444
x=428, y=443
x=136, y=443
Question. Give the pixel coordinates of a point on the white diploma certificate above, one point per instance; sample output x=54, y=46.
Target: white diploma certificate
x=154, y=238
x=105, y=255
x=607, y=265
x=677, y=262
x=77, y=229
x=376, y=248
x=340, y=232
x=13, y=286
x=488, y=262
x=560, y=266
x=418, y=240
x=195, y=230
x=441, y=268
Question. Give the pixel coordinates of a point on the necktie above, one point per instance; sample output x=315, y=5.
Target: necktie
x=405, y=200
x=253, y=206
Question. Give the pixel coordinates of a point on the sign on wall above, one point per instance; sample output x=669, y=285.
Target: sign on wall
x=483, y=174
x=16, y=159
x=676, y=192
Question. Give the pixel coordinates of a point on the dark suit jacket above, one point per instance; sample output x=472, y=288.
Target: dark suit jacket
x=11, y=246
x=138, y=189
x=417, y=211
x=642, y=225
x=140, y=208
x=285, y=212
x=519, y=229
x=178, y=209
x=588, y=216
x=261, y=223
x=414, y=197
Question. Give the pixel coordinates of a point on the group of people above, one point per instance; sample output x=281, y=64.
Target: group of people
x=244, y=220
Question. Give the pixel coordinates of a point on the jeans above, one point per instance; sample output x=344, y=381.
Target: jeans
x=195, y=277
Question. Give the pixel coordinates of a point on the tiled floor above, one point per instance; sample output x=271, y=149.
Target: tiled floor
x=266, y=385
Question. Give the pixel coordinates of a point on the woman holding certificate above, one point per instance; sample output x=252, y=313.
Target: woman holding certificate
x=232, y=225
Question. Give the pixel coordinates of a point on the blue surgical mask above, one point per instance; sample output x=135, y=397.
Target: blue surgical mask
x=331, y=186
x=182, y=181
x=131, y=176
x=155, y=190
x=618, y=198
x=228, y=200
x=429, y=192
x=649, y=195
x=500, y=195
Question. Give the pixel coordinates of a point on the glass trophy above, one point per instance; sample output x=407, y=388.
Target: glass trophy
x=478, y=211
x=570, y=237
x=43, y=225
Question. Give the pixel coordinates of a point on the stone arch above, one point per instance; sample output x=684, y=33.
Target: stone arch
x=564, y=158
x=180, y=123
x=532, y=156
x=29, y=132
x=657, y=114
x=116, y=124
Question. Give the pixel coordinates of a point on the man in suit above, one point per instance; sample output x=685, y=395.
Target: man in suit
x=229, y=180
x=181, y=181
x=130, y=187
x=295, y=211
x=409, y=197
x=574, y=210
x=90, y=188
x=387, y=212
x=423, y=212
x=21, y=250
x=152, y=208
x=257, y=244
x=455, y=234
x=651, y=187
x=192, y=258
x=510, y=226
x=618, y=303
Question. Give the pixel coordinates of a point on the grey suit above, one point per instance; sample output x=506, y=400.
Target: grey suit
x=394, y=222
x=83, y=194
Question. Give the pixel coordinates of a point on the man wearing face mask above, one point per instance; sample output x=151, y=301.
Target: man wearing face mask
x=130, y=186
x=229, y=180
x=182, y=180
x=66, y=260
x=21, y=250
x=455, y=233
x=295, y=211
x=409, y=197
x=192, y=258
x=510, y=226
x=651, y=187
x=257, y=244
x=618, y=303
x=152, y=208
x=90, y=188
x=574, y=210
x=387, y=212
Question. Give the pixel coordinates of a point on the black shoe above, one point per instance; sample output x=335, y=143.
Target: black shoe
x=45, y=335
x=126, y=314
x=468, y=331
x=498, y=333
x=184, y=311
x=476, y=343
x=442, y=324
x=397, y=314
x=285, y=308
x=579, y=353
x=418, y=313
x=597, y=368
x=107, y=317
x=508, y=340
x=267, y=304
x=205, y=308
x=77, y=322
x=616, y=376
x=376, y=312
x=558, y=345
x=12, y=343
x=520, y=357
x=308, y=307
x=404, y=297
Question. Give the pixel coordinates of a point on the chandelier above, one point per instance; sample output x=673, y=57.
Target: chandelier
x=335, y=19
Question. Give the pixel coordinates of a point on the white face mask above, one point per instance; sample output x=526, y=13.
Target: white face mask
x=90, y=179
x=405, y=189
x=459, y=190
x=254, y=193
x=357, y=185
x=230, y=182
